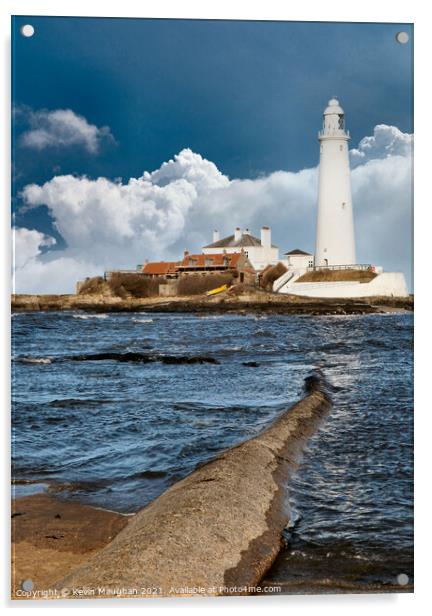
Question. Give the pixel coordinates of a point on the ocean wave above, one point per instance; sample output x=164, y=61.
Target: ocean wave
x=77, y=402
x=265, y=334
x=57, y=486
x=230, y=350
x=35, y=360
x=142, y=320
x=336, y=346
x=381, y=344
x=90, y=316
x=56, y=420
x=149, y=474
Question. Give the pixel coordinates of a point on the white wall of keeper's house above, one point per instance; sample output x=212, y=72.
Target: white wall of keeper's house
x=259, y=256
x=298, y=261
x=386, y=284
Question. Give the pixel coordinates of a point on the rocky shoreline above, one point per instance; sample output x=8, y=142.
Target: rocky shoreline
x=216, y=532
x=249, y=302
x=52, y=537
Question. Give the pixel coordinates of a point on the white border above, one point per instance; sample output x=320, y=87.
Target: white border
x=307, y=10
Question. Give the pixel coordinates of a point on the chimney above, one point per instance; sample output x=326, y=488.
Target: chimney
x=265, y=237
x=185, y=254
x=216, y=236
x=237, y=234
x=247, y=231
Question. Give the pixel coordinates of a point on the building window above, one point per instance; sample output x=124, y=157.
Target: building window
x=341, y=121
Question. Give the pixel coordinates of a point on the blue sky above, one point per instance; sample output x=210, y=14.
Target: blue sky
x=247, y=96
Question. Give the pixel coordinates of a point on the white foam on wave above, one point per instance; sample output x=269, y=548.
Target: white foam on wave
x=142, y=320
x=90, y=316
x=36, y=360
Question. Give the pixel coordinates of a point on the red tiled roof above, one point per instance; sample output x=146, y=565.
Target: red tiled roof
x=216, y=260
x=160, y=268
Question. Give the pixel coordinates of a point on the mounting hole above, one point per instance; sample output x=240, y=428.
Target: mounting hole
x=27, y=585
x=402, y=579
x=27, y=30
x=402, y=38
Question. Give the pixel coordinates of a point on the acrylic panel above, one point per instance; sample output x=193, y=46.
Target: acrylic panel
x=212, y=332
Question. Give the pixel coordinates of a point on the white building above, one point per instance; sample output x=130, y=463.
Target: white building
x=298, y=259
x=260, y=252
x=335, y=245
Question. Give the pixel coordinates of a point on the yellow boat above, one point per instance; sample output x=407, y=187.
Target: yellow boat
x=218, y=290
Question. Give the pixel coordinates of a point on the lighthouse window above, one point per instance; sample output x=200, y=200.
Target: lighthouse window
x=341, y=148
x=341, y=121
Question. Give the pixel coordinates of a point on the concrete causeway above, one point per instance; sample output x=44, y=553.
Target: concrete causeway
x=217, y=531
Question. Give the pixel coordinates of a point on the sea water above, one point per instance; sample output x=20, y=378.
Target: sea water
x=116, y=432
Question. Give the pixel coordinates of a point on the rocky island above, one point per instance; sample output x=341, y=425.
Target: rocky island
x=239, y=298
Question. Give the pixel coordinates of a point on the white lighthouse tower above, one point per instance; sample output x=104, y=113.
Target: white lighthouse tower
x=335, y=244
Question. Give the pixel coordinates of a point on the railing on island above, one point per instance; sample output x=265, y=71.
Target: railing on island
x=357, y=266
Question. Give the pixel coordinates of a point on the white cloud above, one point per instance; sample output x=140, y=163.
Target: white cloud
x=28, y=244
x=109, y=224
x=61, y=128
x=193, y=168
x=57, y=275
x=382, y=197
x=51, y=273
x=385, y=142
